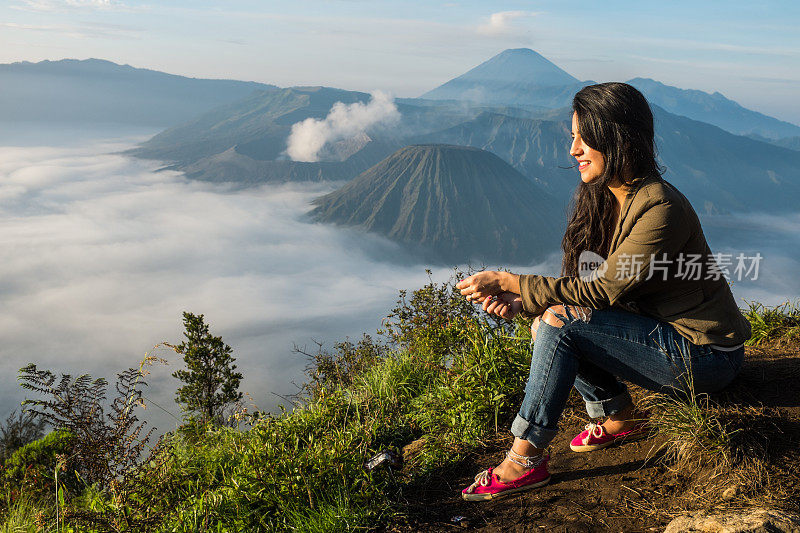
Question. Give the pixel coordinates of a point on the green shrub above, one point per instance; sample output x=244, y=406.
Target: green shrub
x=337, y=369
x=31, y=469
x=442, y=377
x=446, y=384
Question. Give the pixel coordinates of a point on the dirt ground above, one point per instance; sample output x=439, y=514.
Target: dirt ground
x=627, y=487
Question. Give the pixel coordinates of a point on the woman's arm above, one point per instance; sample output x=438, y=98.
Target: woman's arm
x=481, y=285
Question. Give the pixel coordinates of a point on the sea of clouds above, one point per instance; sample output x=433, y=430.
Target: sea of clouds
x=102, y=253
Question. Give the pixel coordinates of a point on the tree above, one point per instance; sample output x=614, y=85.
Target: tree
x=211, y=384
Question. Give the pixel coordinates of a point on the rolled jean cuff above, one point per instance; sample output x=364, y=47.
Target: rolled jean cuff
x=610, y=406
x=536, y=435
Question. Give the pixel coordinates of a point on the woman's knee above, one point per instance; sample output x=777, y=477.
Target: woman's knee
x=553, y=315
x=535, y=327
x=556, y=314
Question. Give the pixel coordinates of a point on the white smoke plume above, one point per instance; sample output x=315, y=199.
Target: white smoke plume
x=343, y=121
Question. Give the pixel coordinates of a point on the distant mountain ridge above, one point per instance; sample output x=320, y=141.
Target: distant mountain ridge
x=243, y=142
x=718, y=171
x=489, y=157
x=243, y=139
x=537, y=148
x=99, y=91
x=451, y=204
x=792, y=143
x=524, y=77
x=714, y=109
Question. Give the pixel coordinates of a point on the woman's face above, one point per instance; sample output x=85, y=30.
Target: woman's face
x=590, y=162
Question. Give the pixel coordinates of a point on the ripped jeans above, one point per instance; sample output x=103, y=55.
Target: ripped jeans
x=591, y=350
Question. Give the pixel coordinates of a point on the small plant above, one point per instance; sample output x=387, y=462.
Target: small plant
x=426, y=320
x=19, y=430
x=781, y=322
x=23, y=516
x=340, y=367
x=106, y=444
x=28, y=472
x=694, y=436
x=210, y=381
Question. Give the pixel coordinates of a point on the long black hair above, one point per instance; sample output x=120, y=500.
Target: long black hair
x=614, y=119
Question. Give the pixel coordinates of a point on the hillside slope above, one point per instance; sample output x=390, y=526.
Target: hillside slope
x=454, y=203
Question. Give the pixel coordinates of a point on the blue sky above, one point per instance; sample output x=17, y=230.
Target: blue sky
x=749, y=51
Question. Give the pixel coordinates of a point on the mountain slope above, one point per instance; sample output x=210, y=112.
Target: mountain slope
x=452, y=203
x=98, y=91
x=539, y=149
x=258, y=124
x=716, y=170
x=792, y=143
x=714, y=109
x=245, y=141
x=517, y=77
x=719, y=171
x=231, y=166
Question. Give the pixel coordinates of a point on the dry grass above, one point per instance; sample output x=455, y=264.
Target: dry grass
x=780, y=323
x=726, y=450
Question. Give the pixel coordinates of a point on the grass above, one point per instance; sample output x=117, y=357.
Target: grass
x=693, y=438
x=442, y=383
x=779, y=323
x=22, y=517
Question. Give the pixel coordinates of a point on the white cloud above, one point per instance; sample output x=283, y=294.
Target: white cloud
x=503, y=22
x=102, y=254
x=343, y=122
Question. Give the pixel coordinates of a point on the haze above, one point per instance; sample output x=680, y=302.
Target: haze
x=743, y=49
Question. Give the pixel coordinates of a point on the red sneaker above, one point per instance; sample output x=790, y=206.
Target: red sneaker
x=594, y=437
x=488, y=486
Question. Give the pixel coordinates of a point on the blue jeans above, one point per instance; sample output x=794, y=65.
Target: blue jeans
x=591, y=352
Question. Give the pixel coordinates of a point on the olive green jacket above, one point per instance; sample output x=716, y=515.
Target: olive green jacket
x=658, y=237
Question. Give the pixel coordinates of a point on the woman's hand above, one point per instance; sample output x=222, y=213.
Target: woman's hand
x=480, y=285
x=506, y=305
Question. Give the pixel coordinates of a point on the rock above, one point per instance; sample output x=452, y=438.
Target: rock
x=747, y=521
x=384, y=457
x=731, y=492
x=462, y=521
x=413, y=449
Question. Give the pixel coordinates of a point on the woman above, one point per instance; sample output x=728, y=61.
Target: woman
x=657, y=311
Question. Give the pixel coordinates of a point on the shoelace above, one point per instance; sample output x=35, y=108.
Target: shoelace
x=595, y=430
x=481, y=479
